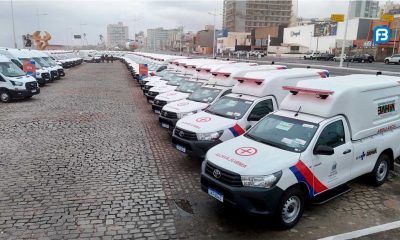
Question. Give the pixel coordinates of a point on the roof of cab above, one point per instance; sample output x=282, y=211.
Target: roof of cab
x=4, y=58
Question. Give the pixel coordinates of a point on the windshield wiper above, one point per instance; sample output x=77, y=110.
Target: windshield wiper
x=257, y=139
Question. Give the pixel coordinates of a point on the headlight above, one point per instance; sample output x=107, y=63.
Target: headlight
x=209, y=136
x=16, y=83
x=38, y=74
x=184, y=114
x=267, y=181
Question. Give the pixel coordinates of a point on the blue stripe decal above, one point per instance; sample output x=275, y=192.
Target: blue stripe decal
x=300, y=178
x=234, y=132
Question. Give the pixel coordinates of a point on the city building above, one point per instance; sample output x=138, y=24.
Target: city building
x=160, y=38
x=117, y=35
x=324, y=36
x=390, y=8
x=260, y=36
x=243, y=16
x=234, y=41
x=364, y=9
x=203, y=41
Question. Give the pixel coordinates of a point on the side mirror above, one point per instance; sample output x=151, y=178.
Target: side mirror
x=324, y=150
x=254, y=117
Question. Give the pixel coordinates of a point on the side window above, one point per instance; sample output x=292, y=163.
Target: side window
x=226, y=92
x=333, y=135
x=17, y=63
x=262, y=108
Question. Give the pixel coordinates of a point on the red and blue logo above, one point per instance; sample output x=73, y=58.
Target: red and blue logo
x=237, y=130
x=304, y=174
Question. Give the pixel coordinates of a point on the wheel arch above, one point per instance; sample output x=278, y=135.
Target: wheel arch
x=389, y=153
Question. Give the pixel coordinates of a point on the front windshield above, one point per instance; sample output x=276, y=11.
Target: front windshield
x=204, y=94
x=37, y=65
x=50, y=61
x=284, y=133
x=42, y=62
x=9, y=69
x=230, y=107
x=167, y=76
x=176, y=80
x=189, y=86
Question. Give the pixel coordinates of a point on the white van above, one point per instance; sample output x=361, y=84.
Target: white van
x=52, y=63
x=14, y=83
x=38, y=57
x=199, y=78
x=42, y=75
x=220, y=84
x=255, y=95
x=325, y=134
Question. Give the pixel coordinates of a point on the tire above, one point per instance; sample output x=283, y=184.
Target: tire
x=386, y=61
x=290, y=208
x=5, y=96
x=381, y=171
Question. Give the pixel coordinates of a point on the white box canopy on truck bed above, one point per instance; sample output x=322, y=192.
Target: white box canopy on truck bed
x=370, y=103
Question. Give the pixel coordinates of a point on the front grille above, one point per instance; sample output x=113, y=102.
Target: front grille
x=45, y=75
x=185, y=134
x=54, y=72
x=147, y=87
x=60, y=71
x=160, y=103
x=153, y=94
x=170, y=115
x=230, y=178
x=31, y=85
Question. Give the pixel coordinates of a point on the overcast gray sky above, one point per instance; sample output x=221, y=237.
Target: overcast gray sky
x=64, y=18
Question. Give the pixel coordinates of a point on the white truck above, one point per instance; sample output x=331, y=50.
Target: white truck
x=14, y=83
x=326, y=133
x=220, y=84
x=255, y=95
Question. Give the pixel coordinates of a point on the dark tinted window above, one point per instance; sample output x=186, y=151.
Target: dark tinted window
x=332, y=135
x=263, y=108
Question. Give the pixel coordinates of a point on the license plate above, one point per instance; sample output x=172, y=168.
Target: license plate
x=181, y=148
x=33, y=91
x=157, y=111
x=165, y=125
x=151, y=101
x=216, y=195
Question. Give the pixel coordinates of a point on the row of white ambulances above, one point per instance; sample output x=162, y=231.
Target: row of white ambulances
x=326, y=133
x=283, y=138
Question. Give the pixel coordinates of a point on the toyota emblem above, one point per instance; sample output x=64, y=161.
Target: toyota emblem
x=181, y=133
x=217, y=173
x=156, y=101
x=165, y=114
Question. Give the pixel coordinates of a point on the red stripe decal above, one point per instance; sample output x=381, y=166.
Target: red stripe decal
x=310, y=178
x=238, y=129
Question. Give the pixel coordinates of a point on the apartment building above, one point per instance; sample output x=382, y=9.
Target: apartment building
x=243, y=16
x=364, y=9
x=117, y=35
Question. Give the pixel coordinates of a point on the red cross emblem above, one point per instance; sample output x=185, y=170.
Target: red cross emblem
x=203, y=119
x=183, y=104
x=246, y=151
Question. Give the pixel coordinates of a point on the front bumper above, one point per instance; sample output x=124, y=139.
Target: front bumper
x=150, y=98
x=194, y=148
x=249, y=199
x=61, y=72
x=24, y=93
x=170, y=122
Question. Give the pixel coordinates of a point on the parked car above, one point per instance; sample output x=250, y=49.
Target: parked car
x=311, y=55
x=337, y=58
x=362, y=58
x=393, y=59
x=325, y=57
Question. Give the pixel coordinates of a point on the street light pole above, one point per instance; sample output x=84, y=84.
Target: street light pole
x=214, y=40
x=180, y=41
x=13, y=23
x=345, y=35
x=394, y=42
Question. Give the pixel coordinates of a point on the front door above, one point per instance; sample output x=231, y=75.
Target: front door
x=332, y=170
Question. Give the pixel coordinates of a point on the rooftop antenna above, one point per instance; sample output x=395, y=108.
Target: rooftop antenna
x=297, y=113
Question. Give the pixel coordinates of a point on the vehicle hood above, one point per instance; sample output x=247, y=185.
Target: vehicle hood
x=152, y=78
x=172, y=96
x=204, y=122
x=23, y=79
x=184, y=106
x=163, y=89
x=248, y=157
x=156, y=83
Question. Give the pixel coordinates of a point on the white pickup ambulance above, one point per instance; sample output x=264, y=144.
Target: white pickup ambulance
x=220, y=84
x=199, y=78
x=326, y=133
x=255, y=95
x=14, y=83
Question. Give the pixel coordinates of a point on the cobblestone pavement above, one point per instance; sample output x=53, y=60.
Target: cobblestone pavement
x=86, y=158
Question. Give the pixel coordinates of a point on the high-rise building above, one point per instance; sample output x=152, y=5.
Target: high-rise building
x=117, y=35
x=364, y=9
x=160, y=38
x=243, y=16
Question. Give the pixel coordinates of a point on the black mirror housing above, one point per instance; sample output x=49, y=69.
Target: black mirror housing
x=324, y=150
x=254, y=117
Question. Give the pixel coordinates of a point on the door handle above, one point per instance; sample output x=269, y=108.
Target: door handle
x=347, y=151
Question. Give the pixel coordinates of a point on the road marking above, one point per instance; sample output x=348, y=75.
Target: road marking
x=365, y=231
